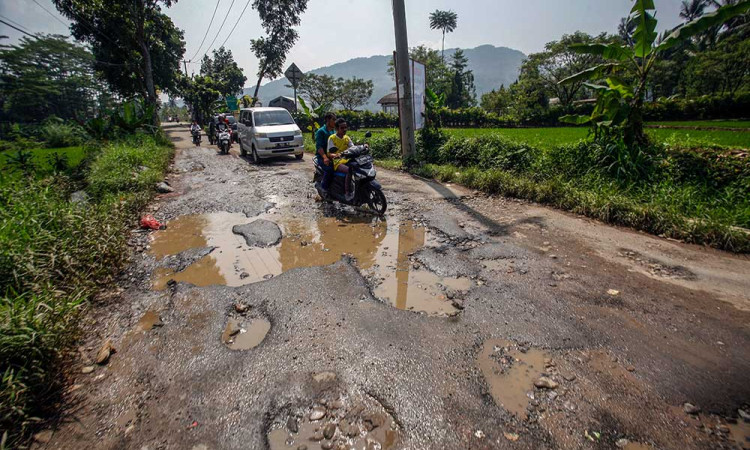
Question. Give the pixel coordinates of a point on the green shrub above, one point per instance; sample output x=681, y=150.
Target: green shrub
x=60, y=134
x=385, y=147
x=487, y=152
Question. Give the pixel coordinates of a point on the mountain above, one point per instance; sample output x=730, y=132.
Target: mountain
x=492, y=66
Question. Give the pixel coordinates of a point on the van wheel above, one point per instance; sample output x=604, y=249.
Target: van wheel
x=300, y=156
x=256, y=158
x=243, y=152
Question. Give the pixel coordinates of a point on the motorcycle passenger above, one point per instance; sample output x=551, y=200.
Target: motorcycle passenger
x=338, y=143
x=321, y=147
x=212, y=130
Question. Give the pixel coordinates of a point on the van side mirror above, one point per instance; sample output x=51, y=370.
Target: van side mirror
x=368, y=134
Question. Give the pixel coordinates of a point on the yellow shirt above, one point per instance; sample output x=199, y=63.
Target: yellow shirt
x=338, y=145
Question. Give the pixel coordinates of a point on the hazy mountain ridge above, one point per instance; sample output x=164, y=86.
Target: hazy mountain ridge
x=492, y=66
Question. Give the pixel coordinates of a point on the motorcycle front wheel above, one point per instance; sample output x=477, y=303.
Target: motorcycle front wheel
x=376, y=201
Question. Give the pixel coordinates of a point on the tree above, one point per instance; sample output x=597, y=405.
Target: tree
x=692, y=9
x=224, y=71
x=137, y=47
x=203, y=96
x=558, y=62
x=353, y=93
x=446, y=21
x=318, y=89
x=437, y=72
x=625, y=30
x=619, y=107
x=724, y=71
x=45, y=76
x=277, y=17
x=462, y=92
x=496, y=101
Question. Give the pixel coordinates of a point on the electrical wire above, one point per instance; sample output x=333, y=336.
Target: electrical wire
x=50, y=13
x=207, y=30
x=236, y=23
x=210, y=46
x=18, y=29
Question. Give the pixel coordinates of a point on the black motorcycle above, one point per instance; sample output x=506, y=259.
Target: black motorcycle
x=367, y=191
x=196, y=138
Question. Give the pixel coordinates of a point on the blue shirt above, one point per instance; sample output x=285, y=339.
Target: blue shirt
x=321, y=139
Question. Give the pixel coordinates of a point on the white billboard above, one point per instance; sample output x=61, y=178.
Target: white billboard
x=418, y=85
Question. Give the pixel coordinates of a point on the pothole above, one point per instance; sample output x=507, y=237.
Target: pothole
x=383, y=251
x=510, y=371
x=148, y=321
x=657, y=268
x=244, y=334
x=337, y=422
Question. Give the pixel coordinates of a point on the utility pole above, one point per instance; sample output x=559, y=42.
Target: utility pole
x=184, y=63
x=403, y=73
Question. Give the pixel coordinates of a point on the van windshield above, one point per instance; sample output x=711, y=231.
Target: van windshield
x=266, y=118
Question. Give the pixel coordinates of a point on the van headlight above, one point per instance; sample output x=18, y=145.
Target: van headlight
x=261, y=135
x=297, y=133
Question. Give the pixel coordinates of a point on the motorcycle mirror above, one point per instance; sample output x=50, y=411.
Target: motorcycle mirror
x=368, y=134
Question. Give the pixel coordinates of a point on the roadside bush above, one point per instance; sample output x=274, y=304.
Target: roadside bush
x=55, y=254
x=705, y=107
x=487, y=152
x=385, y=147
x=56, y=133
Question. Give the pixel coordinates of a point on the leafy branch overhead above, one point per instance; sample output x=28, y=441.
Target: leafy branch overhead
x=620, y=84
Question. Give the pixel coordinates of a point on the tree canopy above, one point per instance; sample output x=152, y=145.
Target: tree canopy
x=446, y=21
x=224, y=71
x=350, y=94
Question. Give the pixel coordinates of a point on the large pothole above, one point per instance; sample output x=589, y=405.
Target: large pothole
x=203, y=250
x=346, y=421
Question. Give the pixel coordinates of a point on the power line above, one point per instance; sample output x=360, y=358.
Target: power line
x=50, y=13
x=207, y=30
x=236, y=23
x=18, y=29
x=218, y=32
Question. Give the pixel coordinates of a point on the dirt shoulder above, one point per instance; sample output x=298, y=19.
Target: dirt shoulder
x=538, y=329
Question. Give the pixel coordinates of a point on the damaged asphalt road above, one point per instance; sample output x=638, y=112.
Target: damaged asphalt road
x=456, y=321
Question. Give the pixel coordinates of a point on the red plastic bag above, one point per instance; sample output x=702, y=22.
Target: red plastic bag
x=148, y=221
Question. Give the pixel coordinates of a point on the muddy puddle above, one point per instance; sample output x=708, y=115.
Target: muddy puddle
x=382, y=250
x=510, y=373
x=244, y=334
x=148, y=321
x=739, y=433
x=343, y=423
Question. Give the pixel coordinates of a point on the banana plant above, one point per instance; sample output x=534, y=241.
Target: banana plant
x=434, y=103
x=621, y=94
x=312, y=115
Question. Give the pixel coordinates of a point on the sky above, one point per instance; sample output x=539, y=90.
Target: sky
x=337, y=30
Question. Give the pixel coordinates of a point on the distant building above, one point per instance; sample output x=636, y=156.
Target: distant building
x=283, y=102
x=389, y=103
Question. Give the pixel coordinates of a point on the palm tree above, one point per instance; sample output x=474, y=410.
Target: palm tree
x=445, y=21
x=692, y=9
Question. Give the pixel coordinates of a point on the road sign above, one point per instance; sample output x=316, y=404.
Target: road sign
x=232, y=103
x=294, y=75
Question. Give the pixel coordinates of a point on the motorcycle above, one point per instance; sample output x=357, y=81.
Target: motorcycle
x=224, y=140
x=196, y=138
x=367, y=191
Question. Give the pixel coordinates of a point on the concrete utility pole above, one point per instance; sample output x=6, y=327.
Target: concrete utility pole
x=184, y=63
x=403, y=73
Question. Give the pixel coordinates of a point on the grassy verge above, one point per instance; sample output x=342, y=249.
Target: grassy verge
x=705, y=123
x=54, y=255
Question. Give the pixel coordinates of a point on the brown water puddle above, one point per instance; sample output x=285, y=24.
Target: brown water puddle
x=382, y=251
x=245, y=334
x=350, y=424
x=510, y=373
x=148, y=321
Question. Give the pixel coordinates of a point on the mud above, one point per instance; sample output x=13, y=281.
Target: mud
x=149, y=320
x=510, y=373
x=538, y=279
x=739, y=433
x=244, y=334
x=353, y=422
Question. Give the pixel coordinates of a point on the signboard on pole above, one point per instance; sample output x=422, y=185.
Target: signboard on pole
x=232, y=103
x=418, y=85
x=294, y=75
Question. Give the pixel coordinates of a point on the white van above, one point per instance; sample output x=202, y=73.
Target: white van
x=268, y=132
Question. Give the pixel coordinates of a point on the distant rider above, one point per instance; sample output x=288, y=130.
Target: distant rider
x=212, y=130
x=321, y=150
x=195, y=128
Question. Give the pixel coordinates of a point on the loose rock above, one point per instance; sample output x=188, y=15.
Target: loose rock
x=87, y=369
x=259, y=233
x=317, y=414
x=690, y=408
x=104, y=353
x=329, y=430
x=164, y=188
x=546, y=383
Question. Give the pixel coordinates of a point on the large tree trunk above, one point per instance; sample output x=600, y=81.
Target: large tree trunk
x=148, y=71
x=257, y=86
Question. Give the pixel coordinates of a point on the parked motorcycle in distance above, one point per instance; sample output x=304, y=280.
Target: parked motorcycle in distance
x=224, y=140
x=367, y=191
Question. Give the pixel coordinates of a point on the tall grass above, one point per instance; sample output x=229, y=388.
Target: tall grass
x=54, y=255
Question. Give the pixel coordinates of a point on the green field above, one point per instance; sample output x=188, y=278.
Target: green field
x=546, y=138
x=705, y=123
